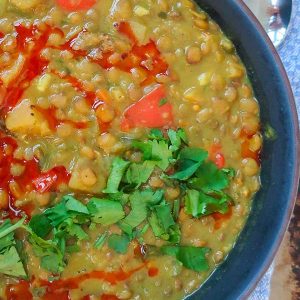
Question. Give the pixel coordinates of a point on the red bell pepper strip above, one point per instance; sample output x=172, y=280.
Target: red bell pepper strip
x=152, y=111
x=75, y=5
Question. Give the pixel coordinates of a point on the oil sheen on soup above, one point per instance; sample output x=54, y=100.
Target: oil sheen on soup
x=129, y=148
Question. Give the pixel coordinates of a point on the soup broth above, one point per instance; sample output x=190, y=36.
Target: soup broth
x=129, y=148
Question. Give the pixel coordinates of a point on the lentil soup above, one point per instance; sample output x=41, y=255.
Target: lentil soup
x=129, y=148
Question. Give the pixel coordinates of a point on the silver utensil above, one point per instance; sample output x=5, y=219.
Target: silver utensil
x=274, y=15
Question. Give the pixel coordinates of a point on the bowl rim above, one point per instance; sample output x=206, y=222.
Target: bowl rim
x=296, y=134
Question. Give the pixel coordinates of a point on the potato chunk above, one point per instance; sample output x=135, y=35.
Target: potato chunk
x=25, y=5
x=87, y=176
x=11, y=73
x=24, y=118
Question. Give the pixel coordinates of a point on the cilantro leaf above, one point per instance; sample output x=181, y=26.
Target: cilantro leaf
x=118, y=243
x=10, y=261
x=156, y=227
x=57, y=214
x=210, y=178
x=161, y=154
x=6, y=235
x=118, y=169
x=74, y=205
x=144, y=147
x=137, y=214
x=138, y=174
x=140, y=202
x=151, y=197
x=163, y=224
x=176, y=139
x=74, y=230
x=190, y=159
x=156, y=151
x=40, y=225
x=163, y=212
x=52, y=259
x=68, y=207
x=156, y=134
x=176, y=208
x=101, y=240
x=199, y=204
x=11, y=264
x=6, y=232
x=192, y=258
x=105, y=212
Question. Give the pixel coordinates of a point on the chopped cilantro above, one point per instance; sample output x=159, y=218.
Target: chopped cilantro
x=73, y=205
x=105, y=212
x=138, y=174
x=69, y=207
x=118, y=169
x=138, y=211
x=176, y=138
x=156, y=150
x=40, y=225
x=161, y=154
x=192, y=258
x=163, y=212
x=209, y=177
x=10, y=261
x=176, y=208
x=101, y=240
x=190, y=159
x=52, y=257
x=269, y=132
x=163, y=224
x=59, y=229
x=118, y=243
x=199, y=204
x=156, y=134
x=162, y=102
x=11, y=264
x=73, y=229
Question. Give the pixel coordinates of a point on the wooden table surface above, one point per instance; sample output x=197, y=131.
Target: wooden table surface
x=285, y=284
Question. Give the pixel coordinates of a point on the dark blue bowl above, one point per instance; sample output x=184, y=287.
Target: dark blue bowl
x=273, y=204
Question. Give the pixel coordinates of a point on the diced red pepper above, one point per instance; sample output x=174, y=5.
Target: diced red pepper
x=220, y=218
x=150, y=112
x=216, y=155
x=44, y=182
x=51, y=179
x=74, y=5
x=125, y=28
x=247, y=153
x=220, y=160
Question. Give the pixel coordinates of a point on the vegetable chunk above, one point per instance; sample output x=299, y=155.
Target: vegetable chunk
x=152, y=111
x=24, y=118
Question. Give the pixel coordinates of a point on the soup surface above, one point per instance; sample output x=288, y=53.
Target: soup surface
x=129, y=148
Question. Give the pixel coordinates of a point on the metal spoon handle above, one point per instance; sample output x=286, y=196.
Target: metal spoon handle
x=274, y=15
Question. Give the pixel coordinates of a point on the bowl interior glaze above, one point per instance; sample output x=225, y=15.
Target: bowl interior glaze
x=273, y=204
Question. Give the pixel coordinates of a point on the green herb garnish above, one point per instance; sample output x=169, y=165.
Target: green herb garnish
x=131, y=204
x=192, y=258
x=118, y=243
x=162, y=102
